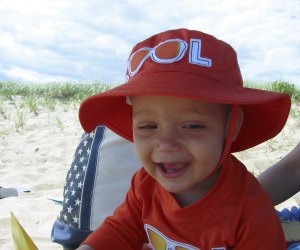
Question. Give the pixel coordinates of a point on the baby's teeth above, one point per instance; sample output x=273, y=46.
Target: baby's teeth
x=170, y=171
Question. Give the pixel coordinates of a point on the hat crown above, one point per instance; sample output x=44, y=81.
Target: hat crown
x=189, y=51
x=188, y=64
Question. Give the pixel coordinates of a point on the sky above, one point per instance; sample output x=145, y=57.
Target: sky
x=90, y=40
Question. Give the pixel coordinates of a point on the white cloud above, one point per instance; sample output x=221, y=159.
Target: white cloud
x=16, y=73
x=85, y=40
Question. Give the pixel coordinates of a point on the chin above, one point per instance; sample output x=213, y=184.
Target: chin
x=174, y=190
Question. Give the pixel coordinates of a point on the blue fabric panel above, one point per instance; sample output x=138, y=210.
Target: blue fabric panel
x=87, y=192
x=68, y=236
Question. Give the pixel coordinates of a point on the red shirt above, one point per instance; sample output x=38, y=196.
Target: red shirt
x=235, y=214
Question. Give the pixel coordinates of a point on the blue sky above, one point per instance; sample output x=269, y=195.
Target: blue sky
x=86, y=40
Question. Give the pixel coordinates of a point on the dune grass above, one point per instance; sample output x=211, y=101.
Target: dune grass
x=28, y=98
x=65, y=92
x=53, y=91
x=278, y=86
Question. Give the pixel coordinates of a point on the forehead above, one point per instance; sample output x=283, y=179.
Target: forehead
x=174, y=104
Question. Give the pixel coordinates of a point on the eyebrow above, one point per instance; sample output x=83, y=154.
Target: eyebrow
x=189, y=110
x=140, y=111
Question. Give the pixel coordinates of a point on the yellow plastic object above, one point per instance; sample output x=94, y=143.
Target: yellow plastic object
x=21, y=239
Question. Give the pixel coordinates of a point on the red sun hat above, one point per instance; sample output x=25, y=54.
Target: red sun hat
x=188, y=64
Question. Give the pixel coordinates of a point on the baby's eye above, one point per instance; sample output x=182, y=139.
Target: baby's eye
x=193, y=126
x=147, y=127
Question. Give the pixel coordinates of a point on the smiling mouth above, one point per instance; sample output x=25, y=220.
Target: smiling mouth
x=172, y=170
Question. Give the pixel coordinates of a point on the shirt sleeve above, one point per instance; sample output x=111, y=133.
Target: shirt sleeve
x=124, y=229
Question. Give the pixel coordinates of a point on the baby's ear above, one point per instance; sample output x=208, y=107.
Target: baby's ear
x=239, y=122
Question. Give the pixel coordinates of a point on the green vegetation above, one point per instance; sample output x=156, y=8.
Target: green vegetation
x=20, y=119
x=69, y=92
x=63, y=92
x=48, y=95
x=279, y=86
x=59, y=123
x=29, y=99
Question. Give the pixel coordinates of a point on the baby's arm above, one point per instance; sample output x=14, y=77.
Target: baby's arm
x=282, y=180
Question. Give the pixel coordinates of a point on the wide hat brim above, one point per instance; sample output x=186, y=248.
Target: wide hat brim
x=265, y=112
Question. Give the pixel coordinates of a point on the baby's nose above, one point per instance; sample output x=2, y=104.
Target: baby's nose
x=168, y=142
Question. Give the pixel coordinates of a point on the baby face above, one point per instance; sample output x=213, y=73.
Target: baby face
x=179, y=141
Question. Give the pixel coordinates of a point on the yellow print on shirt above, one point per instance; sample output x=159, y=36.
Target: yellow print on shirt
x=159, y=241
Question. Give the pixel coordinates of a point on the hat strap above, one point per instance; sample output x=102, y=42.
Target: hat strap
x=230, y=133
x=229, y=137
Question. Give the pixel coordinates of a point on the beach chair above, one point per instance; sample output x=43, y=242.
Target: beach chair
x=103, y=164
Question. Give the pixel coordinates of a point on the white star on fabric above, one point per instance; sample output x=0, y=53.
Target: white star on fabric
x=92, y=134
x=88, y=151
x=75, y=220
x=77, y=202
x=75, y=180
x=70, y=209
x=75, y=167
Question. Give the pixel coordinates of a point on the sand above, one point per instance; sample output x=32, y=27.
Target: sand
x=39, y=155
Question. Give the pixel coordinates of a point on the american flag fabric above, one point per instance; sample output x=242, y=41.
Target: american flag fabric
x=72, y=225
x=89, y=185
x=78, y=185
